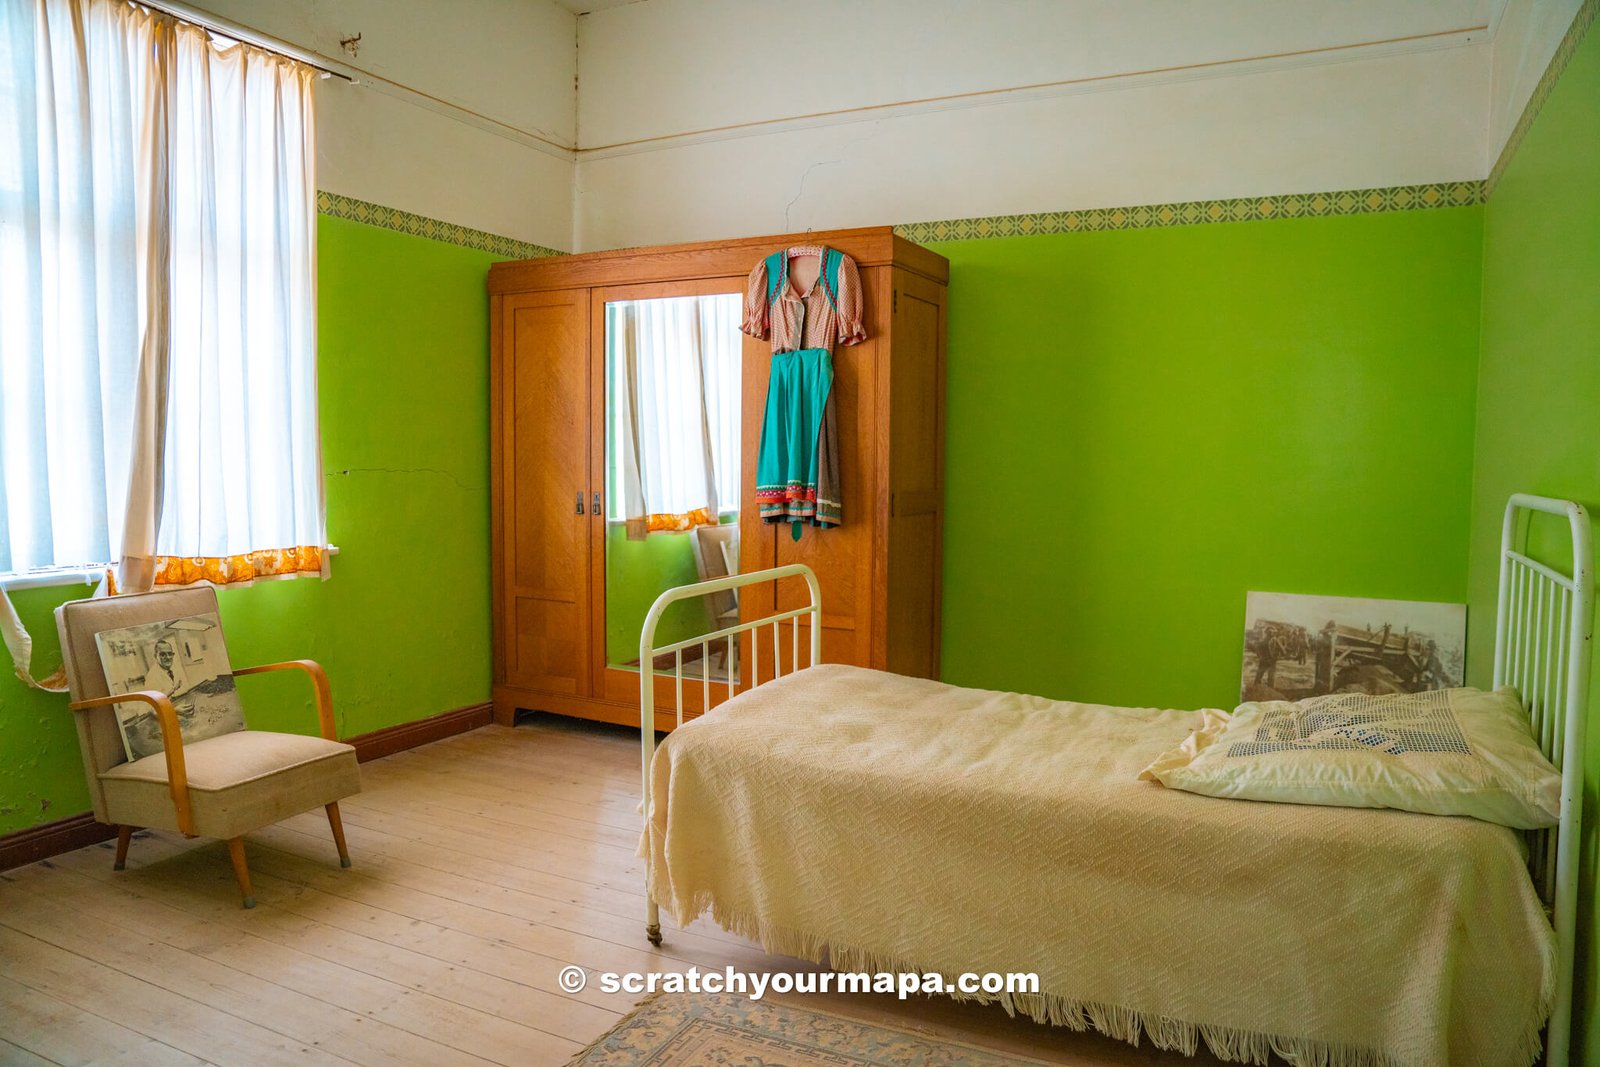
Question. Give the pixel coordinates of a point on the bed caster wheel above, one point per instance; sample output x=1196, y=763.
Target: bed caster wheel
x=653, y=932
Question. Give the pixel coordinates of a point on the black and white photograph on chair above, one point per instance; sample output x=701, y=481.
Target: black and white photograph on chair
x=1298, y=646
x=183, y=658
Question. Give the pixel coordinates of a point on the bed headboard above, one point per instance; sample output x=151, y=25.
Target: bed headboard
x=1543, y=628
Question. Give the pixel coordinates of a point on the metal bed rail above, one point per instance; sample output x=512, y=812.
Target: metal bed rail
x=1544, y=628
x=649, y=650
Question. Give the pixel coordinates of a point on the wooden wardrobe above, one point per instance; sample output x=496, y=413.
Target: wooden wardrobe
x=879, y=572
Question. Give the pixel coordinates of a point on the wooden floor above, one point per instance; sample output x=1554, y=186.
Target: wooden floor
x=483, y=865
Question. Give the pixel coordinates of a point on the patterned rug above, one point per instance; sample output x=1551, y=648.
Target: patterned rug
x=696, y=1029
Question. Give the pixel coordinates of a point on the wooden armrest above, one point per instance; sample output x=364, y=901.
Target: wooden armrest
x=171, y=743
x=319, y=683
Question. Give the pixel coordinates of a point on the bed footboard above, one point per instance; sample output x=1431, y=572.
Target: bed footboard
x=649, y=650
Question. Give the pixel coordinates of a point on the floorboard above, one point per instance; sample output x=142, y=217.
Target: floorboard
x=484, y=863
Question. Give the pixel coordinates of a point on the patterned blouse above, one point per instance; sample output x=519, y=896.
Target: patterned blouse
x=813, y=319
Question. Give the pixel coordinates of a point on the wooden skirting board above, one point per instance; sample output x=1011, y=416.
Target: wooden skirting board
x=64, y=835
x=52, y=839
x=392, y=739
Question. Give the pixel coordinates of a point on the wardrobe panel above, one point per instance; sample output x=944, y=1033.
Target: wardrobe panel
x=916, y=400
x=757, y=540
x=551, y=652
x=546, y=486
x=913, y=600
x=843, y=554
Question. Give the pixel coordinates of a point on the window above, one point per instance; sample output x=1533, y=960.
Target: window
x=157, y=316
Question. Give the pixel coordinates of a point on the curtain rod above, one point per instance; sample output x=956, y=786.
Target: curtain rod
x=238, y=32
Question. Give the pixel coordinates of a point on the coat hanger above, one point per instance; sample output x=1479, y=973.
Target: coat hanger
x=796, y=251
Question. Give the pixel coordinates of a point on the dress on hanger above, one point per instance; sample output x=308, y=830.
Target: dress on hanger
x=797, y=467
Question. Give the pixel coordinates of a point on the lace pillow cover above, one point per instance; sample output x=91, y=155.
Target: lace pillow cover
x=1443, y=752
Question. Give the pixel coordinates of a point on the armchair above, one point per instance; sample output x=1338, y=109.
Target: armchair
x=222, y=786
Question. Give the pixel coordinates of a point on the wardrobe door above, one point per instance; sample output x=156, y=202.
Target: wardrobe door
x=545, y=582
x=843, y=557
x=907, y=637
x=628, y=575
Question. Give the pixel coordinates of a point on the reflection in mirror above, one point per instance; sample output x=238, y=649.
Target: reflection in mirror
x=672, y=473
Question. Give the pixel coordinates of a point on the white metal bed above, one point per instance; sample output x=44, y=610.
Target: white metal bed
x=1543, y=634
x=1544, y=625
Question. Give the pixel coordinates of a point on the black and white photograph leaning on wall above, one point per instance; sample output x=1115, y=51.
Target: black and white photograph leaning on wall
x=1298, y=646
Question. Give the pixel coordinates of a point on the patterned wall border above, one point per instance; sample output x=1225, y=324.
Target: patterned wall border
x=1197, y=212
x=1541, y=92
x=348, y=207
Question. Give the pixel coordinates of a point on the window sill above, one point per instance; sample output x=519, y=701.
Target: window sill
x=55, y=576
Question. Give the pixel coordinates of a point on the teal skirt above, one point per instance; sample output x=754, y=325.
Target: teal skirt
x=797, y=466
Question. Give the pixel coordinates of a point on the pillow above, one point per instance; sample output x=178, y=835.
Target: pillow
x=1442, y=752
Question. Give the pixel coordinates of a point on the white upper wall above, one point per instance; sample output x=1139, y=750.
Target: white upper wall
x=668, y=66
x=695, y=121
x=1525, y=39
x=490, y=150
x=1259, y=134
x=1092, y=103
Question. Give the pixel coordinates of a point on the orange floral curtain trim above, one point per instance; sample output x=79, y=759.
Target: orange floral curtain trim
x=638, y=529
x=304, y=560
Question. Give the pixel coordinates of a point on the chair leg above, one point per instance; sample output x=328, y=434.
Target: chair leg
x=338, y=833
x=124, y=835
x=241, y=870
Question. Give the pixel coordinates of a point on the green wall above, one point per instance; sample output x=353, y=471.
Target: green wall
x=403, y=625
x=1539, y=391
x=1146, y=424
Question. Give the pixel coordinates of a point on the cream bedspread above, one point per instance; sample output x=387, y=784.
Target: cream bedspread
x=896, y=823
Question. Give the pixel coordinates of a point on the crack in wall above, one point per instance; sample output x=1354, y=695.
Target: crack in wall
x=788, y=227
x=347, y=471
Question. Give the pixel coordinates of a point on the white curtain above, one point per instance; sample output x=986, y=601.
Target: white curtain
x=157, y=302
x=74, y=94
x=241, y=467
x=675, y=390
x=158, y=305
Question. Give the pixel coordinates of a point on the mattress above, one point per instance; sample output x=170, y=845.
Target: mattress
x=890, y=823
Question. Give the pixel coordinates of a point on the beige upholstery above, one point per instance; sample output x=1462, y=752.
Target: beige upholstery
x=233, y=783
x=237, y=782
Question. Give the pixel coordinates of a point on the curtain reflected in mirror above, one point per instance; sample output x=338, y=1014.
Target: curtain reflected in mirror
x=672, y=473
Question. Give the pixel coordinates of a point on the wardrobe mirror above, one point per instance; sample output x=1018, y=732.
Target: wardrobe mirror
x=672, y=473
